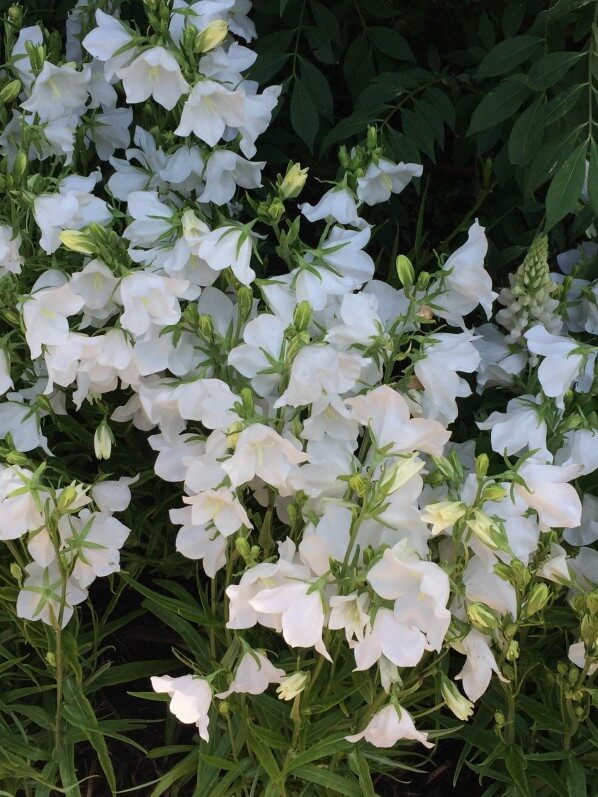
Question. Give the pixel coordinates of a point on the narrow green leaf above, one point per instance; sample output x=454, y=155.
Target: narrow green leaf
x=562, y=7
x=549, y=69
x=576, y=779
x=498, y=105
x=391, y=43
x=527, y=132
x=78, y=712
x=593, y=177
x=566, y=186
x=320, y=89
x=515, y=763
x=507, y=55
x=263, y=753
x=304, y=114
x=331, y=781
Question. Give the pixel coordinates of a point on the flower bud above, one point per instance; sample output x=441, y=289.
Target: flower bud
x=233, y=434
x=67, y=497
x=537, y=600
x=487, y=531
x=358, y=484
x=77, y=242
x=405, y=470
x=10, y=91
x=51, y=658
x=102, y=441
x=224, y=708
x=423, y=280
x=211, y=37
x=499, y=718
x=372, y=137
x=482, y=616
x=244, y=301
x=482, y=463
x=275, y=209
x=513, y=650
x=20, y=165
x=16, y=572
x=405, y=271
x=205, y=325
x=291, y=185
x=302, y=316
x=291, y=685
x=248, y=402
x=443, y=514
x=493, y=492
x=15, y=15
x=461, y=707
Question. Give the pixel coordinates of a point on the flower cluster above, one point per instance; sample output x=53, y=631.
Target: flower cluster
x=305, y=409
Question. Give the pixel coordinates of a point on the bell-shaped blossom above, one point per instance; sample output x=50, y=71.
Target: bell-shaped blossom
x=199, y=542
x=437, y=372
x=482, y=585
x=41, y=595
x=113, y=495
x=518, y=429
x=263, y=347
x=350, y=613
x=209, y=401
x=209, y=109
x=498, y=362
x=154, y=73
x=58, y=91
x=578, y=656
x=580, y=447
x=360, y=321
x=190, y=699
x=220, y=507
x=94, y=541
x=337, y=204
x=466, y=283
x=149, y=299
x=556, y=566
x=109, y=131
x=261, y=451
x=548, y=492
x=96, y=285
x=388, y=726
x=108, y=43
x=587, y=531
x=22, y=421
x=479, y=664
x=45, y=314
x=228, y=247
x=384, y=178
x=318, y=371
x=386, y=412
x=11, y=260
x=225, y=171
x=560, y=366
x=254, y=675
x=152, y=218
x=19, y=510
x=301, y=613
x=328, y=540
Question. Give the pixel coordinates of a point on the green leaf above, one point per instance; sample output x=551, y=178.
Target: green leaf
x=565, y=188
x=263, y=753
x=513, y=16
x=417, y=128
x=304, y=114
x=562, y=7
x=78, y=712
x=576, y=779
x=507, y=55
x=324, y=749
x=516, y=766
x=391, y=43
x=548, y=158
x=331, y=781
x=363, y=771
x=320, y=90
x=527, y=132
x=498, y=105
x=593, y=177
x=549, y=69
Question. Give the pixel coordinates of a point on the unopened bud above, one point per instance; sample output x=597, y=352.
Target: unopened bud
x=425, y=312
x=102, y=441
x=537, y=600
x=67, y=497
x=275, y=209
x=291, y=185
x=248, y=401
x=16, y=572
x=405, y=271
x=205, y=325
x=423, y=280
x=224, y=708
x=487, y=531
x=302, y=316
x=461, y=707
x=493, y=492
x=358, y=484
x=77, y=242
x=482, y=616
x=513, y=650
x=15, y=15
x=443, y=514
x=482, y=463
x=372, y=137
x=244, y=302
x=292, y=685
x=20, y=165
x=211, y=37
x=10, y=91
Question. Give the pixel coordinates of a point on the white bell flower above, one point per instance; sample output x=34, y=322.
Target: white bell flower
x=20, y=511
x=94, y=540
x=154, y=73
x=328, y=540
x=254, y=675
x=22, y=420
x=556, y=567
x=498, y=362
x=578, y=656
x=482, y=585
x=385, y=178
x=149, y=299
x=388, y=726
x=580, y=447
x=319, y=371
x=349, y=612
x=58, y=91
x=257, y=115
x=337, y=204
x=40, y=597
x=479, y=664
x=209, y=109
x=190, y=699
x=228, y=247
x=220, y=507
x=467, y=283
x=11, y=259
x=261, y=451
x=548, y=492
x=299, y=611
x=587, y=531
x=108, y=43
x=199, y=542
x=518, y=429
x=224, y=171
x=560, y=366
x=96, y=285
x=386, y=412
x=152, y=218
x=402, y=643
x=209, y=401
x=263, y=345
x=45, y=314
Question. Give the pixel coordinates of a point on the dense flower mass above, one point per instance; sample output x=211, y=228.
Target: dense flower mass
x=307, y=416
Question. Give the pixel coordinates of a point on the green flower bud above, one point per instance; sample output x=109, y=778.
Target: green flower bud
x=482, y=616
x=302, y=316
x=205, y=325
x=405, y=271
x=537, y=600
x=482, y=463
x=487, y=531
x=15, y=16
x=244, y=302
x=461, y=707
x=10, y=91
x=291, y=185
x=211, y=37
x=358, y=484
x=248, y=401
x=16, y=572
x=102, y=441
x=513, y=650
x=77, y=242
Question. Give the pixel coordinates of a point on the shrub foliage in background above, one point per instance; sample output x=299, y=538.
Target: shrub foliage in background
x=274, y=448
